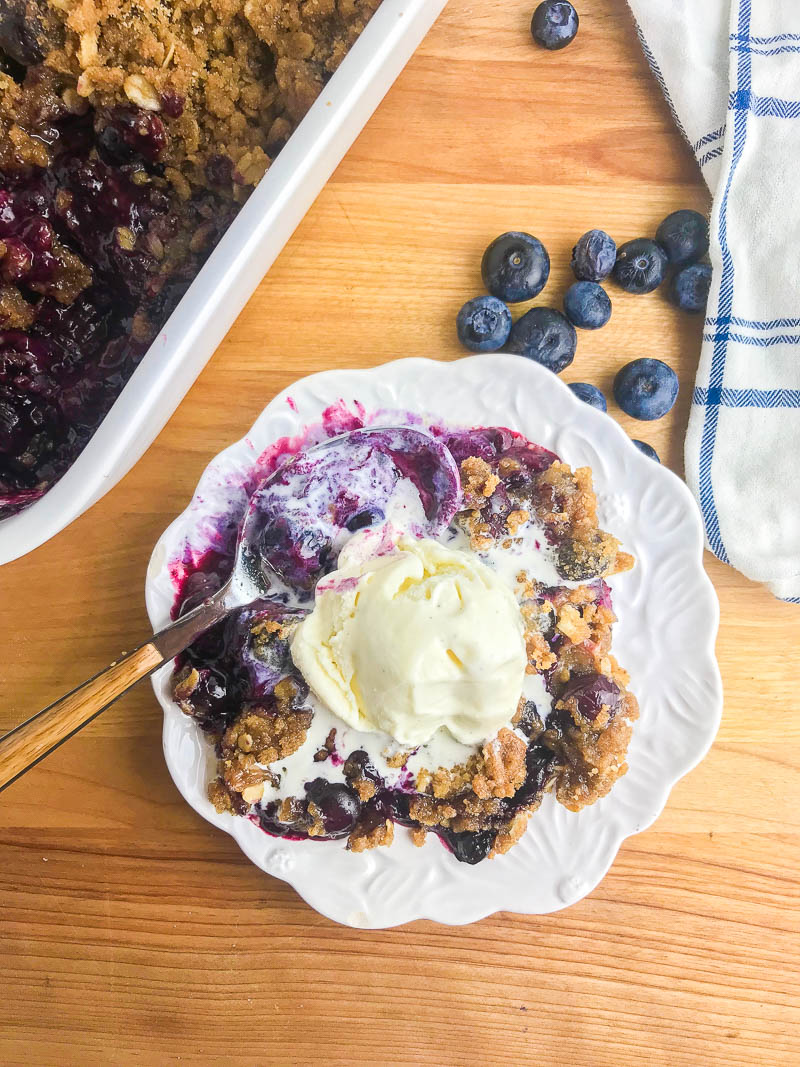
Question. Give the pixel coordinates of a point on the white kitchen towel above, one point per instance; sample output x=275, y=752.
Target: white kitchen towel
x=730, y=70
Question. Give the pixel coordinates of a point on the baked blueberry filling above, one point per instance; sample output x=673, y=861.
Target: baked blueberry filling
x=299, y=772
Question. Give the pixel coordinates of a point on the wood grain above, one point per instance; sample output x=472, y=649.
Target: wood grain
x=135, y=933
x=25, y=745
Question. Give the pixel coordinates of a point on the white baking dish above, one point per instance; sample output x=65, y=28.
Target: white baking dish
x=232, y=272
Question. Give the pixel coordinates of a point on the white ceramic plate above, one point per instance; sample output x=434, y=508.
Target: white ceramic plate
x=668, y=618
x=233, y=270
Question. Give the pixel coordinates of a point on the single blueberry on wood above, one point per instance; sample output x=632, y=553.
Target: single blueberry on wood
x=641, y=266
x=545, y=336
x=684, y=237
x=594, y=256
x=515, y=267
x=690, y=287
x=483, y=324
x=587, y=305
x=554, y=24
x=646, y=389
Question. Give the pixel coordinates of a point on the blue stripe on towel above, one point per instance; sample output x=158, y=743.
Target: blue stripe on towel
x=711, y=155
x=708, y=139
x=766, y=40
x=753, y=324
x=747, y=398
x=755, y=342
x=778, y=50
x=711, y=416
x=763, y=106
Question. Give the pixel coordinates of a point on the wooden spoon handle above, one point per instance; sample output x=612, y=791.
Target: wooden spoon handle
x=34, y=739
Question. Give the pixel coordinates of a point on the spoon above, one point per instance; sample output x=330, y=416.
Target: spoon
x=289, y=490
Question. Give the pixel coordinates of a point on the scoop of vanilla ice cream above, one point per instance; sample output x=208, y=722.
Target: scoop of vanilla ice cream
x=417, y=637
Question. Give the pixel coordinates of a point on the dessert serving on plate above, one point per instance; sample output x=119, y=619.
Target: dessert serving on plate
x=337, y=719
x=130, y=135
x=438, y=677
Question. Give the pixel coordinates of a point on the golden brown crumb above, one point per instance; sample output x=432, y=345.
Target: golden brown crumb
x=480, y=536
x=540, y=656
x=431, y=812
x=509, y=834
x=15, y=311
x=624, y=562
x=396, y=759
x=571, y=624
x=329, y=746
x=592, y=754
x=220, y=797
x=503, y=770
x=515, y=519
x=316, y=828
x=184, y=684
x=228, y=78
x=508, y=465
x=362, y=839
x=268, y=735
x=478, y=482
x=365, y=789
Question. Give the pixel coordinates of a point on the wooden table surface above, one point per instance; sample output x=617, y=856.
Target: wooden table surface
x=134, y=932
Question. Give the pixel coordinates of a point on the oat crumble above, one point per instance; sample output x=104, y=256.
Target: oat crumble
x=576, y=748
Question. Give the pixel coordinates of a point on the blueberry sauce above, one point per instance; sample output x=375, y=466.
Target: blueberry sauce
x=236, y=667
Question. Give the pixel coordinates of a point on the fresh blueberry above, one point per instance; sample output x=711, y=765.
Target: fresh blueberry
x=590, y=395
x=515, y=267
x=554, y=24
x=546, y=336
x=587, y=305
x=483, y=324
x=641, y=266
x=594, y=256
x=647, y=450
x=684, y=237
x=689, y=288
x=646, y=388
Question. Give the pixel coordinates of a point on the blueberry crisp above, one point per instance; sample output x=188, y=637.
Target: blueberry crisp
x=441, y=681
x=130, y=134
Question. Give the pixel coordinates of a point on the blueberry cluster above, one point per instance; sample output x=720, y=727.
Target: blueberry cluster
x=680, y=244
x=516, y=268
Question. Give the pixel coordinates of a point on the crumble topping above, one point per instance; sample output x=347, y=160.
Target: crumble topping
x=330, y=746
x=515, y=519
x=591, y=755
x=130, y=133
x=575, y=746
x=225, y=80
x=366, y=837
x=478, y=481
x=503, y=770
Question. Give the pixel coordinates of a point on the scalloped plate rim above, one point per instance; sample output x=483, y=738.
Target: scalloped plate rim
x=331, y=384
